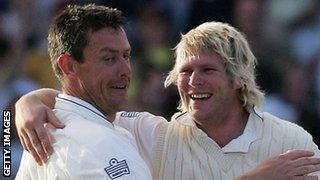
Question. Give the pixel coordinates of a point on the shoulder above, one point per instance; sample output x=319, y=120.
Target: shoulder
x=128, y=114
x=281, y=123
x=284, y=128
x=182, y=119
x=124, y=118
x=134, y=115
x=80, y=145
x=88, y=132
x=66, y=116
x=143, y=123
x=179, y=115
x=279, y=134
x=76, y=125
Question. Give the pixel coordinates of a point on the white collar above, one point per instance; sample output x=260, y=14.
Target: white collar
x=251, y=133
x=81, y=107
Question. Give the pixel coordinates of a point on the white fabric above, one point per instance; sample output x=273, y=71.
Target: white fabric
x=85, y=147
x=145, y=128
x=180, y=150
x=240, y=144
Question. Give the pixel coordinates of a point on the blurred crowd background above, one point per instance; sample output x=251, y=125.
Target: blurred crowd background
x=284, y=35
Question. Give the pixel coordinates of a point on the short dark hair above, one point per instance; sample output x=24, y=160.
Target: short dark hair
x=70, y=29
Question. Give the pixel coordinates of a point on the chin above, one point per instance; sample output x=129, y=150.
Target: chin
x=116, y=105
x=122, y=104
x=198, y=115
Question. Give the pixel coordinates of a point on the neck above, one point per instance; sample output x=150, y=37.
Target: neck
x=227, y=128
x=77, y=93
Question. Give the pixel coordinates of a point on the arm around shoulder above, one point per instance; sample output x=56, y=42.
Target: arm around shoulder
x=32, y=112
x=45, y=96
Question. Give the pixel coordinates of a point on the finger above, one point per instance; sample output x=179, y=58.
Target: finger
x=31, y=150
x=54, y=120
x=304, y=170
x=20, y=134
x=295, y=154
x=22, y=142
x=36, y=145
x=51, y=138
x=305, y=178
x=306, y=161
x=44, y=143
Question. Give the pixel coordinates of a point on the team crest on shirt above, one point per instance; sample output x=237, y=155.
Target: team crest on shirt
x=129, y=114
x=117, y=168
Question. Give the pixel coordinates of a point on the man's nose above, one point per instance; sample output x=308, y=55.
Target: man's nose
x=195, y=79
x=125, y=68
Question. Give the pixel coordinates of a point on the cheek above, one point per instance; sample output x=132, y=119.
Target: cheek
x=182, y=83
x=98, y=84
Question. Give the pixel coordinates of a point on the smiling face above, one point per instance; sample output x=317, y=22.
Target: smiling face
x=105, y=72
x=205, y=88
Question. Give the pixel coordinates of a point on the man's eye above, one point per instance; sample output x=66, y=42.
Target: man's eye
x=109, y=59
x=127, y=57
x=185, y=71
x=209, y=70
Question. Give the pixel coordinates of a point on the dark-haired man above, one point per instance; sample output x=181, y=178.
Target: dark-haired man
x=90, y=54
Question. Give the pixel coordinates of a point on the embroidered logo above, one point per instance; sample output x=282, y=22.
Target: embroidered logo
x=129, y=114
x=117, y=168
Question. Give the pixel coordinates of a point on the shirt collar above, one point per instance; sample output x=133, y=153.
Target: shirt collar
x=81, y=107
x=251, y=133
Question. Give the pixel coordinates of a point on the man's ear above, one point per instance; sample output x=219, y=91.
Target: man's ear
x=66, y=64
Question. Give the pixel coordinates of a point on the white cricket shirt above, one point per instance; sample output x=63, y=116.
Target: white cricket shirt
x=89, y=147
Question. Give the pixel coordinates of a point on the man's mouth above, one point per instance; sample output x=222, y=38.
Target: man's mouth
x=119, y=87
x=198, y=96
